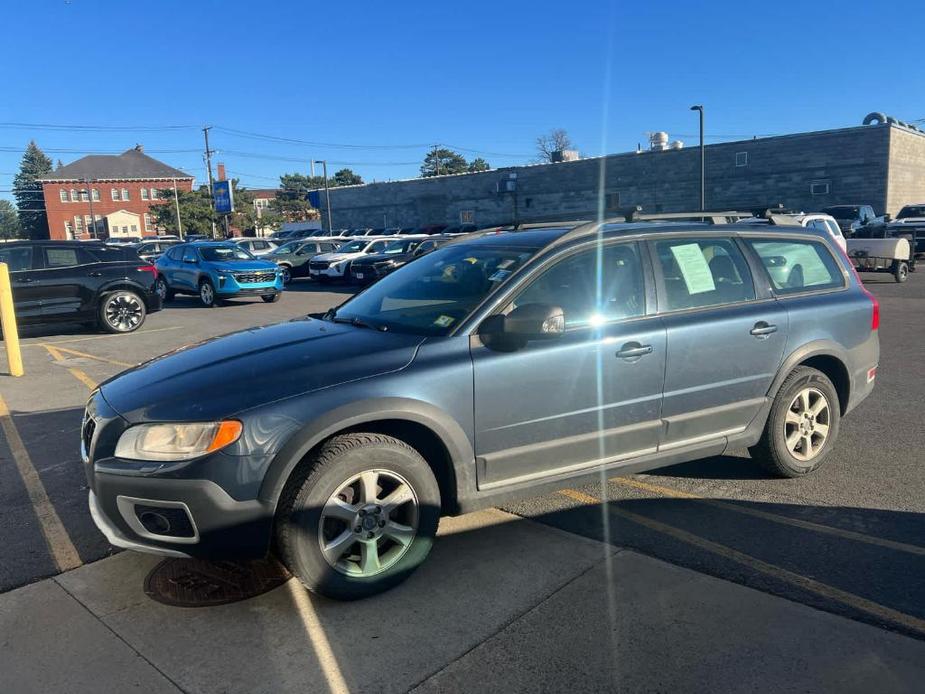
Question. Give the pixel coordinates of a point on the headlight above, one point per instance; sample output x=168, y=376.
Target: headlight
x=340, y=266
x=176, y=441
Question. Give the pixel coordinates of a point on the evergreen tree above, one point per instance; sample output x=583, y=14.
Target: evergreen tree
x=28, y=192
x=9, y=221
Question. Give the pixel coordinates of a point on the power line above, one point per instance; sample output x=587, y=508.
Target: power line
x=101, y=128
x=292, y=140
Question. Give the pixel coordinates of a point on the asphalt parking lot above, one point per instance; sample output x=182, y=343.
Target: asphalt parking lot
x=847, y=540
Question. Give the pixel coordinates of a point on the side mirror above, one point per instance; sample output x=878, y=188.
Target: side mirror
x=887, y=218
x=524, y=323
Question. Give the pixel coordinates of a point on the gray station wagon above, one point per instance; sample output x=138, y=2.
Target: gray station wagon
x=497, y=366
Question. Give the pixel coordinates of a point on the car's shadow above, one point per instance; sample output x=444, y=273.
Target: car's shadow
x=721, y=467
x=304, y=286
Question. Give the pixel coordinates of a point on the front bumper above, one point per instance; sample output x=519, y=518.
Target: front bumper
x=329, y=272
x=223, y=528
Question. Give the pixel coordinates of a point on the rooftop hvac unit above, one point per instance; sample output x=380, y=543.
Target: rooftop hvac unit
x=658, y=141
x=560, y=155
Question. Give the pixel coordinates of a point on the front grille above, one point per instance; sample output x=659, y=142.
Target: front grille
x=254, y=277
x=87, y=431
x=318, y=265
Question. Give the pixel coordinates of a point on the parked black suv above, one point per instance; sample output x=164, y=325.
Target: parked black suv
x=497, y=366
x=88, y=282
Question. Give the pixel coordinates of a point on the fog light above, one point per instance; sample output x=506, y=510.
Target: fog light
x=154, y=522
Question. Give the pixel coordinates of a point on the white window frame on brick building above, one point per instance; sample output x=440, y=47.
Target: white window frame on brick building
x=63, y=195
x=68, y=229
x=822, y=187
x=78, y=224
x=115, y=194
x=154, y=195
x=144, y=193
x=147, y=222
x=741, y=159
x=74, y=197
x=95, y=194
x=125, y=195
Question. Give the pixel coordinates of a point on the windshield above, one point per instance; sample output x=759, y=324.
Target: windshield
x=353, y=247
x=224, y=253
x=843, y=211
x=911, y=211
x=396, y=247
x=434, y=294
x=288, y=247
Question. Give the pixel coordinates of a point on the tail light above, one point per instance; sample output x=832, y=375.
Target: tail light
x=148, y=268
x=875, y=303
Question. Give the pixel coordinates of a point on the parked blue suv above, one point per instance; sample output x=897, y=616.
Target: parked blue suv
x=215, y=270
x=494, y=367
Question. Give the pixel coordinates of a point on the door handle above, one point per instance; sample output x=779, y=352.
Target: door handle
x=762, y=329
x=634, y=350
x=94, y=274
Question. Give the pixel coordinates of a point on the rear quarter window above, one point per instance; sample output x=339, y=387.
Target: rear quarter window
x=797, y=266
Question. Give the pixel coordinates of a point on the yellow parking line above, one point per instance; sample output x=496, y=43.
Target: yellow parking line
x=102, y=337
x=59, y=542
x=76, y=373
x=91, y=356
x=811, y=585
x=773, y=517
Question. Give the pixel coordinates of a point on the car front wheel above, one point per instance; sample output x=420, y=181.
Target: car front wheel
x=802, y=426
x=207, y=294
x=287, y=273
x=122, y=312
x=359, y=517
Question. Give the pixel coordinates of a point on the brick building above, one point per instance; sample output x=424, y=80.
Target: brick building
x=119, y=188
x=881, y=164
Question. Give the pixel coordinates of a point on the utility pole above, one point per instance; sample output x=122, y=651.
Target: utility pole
x=205, y=132
x=176, y=202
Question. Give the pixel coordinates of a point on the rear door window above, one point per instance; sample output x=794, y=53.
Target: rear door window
x=17, y=258
x=796, y=266
x=189, y=255
x=702, y=272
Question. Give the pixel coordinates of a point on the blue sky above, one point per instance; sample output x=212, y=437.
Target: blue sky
x=390, y=78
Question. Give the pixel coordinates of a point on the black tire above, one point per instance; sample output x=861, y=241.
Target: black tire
x=121, y=311
x=287, y=274
x=270, y=298
x=901, y=273
x=207, y=294
x=772, y=450
x=164, y=290
x=300, y=518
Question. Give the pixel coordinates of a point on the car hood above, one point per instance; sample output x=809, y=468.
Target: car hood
x=242, y=265
x=908, y=220
x=235, y=372
x=380, y=257
x=337, y=257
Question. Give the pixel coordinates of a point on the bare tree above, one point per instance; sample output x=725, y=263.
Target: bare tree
x=555, y=141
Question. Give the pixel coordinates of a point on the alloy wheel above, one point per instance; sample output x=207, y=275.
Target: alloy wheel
x=161, y=288
x=806, y=426
x=369, y=523
x=123, y=311
x=287, y=274
x=206, y=293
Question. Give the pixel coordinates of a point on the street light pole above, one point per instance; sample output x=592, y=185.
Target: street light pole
x=90, y=200
x=327, y=194
x=703, y=207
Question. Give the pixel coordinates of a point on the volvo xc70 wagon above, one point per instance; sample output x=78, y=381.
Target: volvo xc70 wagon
x=497, y=366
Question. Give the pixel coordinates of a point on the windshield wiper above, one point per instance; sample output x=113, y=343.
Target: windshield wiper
x=357, y=323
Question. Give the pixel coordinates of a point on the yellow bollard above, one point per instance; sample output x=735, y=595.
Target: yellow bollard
x=8, y=323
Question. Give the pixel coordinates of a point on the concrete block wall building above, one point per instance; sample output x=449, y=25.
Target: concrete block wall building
x=882, y=164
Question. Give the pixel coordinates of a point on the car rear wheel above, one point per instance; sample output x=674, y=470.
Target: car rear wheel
x=358, y=517
x=802, y=426
x=207, y=294
x=122, y=312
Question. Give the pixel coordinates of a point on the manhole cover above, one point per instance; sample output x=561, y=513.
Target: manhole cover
x=198, y=583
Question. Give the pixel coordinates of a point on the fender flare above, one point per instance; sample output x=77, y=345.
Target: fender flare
x=351, y=415
x=816, y=348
